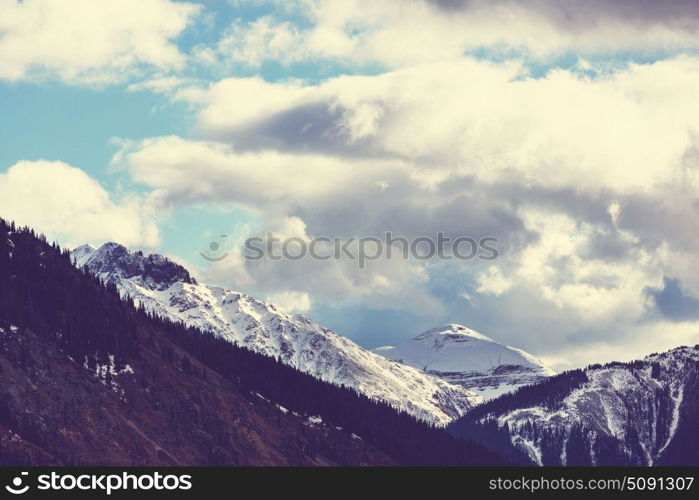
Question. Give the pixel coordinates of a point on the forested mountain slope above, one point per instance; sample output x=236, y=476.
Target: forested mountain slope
x=638, y=413
x=87, y=378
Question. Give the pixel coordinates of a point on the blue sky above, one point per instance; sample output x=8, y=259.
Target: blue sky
x=568, y=134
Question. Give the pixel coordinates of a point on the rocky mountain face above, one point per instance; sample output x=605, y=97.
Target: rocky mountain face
x=638, y=413
x=470, y=359
x=167, y=289
x=116, y=262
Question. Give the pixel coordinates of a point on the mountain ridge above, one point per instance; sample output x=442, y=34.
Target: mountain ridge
x=294, y=339
x=612, y=414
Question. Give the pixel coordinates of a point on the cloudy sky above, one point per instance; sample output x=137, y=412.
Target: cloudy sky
x=568, y=130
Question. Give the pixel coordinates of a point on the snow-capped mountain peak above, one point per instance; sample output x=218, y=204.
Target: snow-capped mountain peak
x=167, y=289
x=115, y=262
x=453, y=329
x=81, y=254
x=468, y=358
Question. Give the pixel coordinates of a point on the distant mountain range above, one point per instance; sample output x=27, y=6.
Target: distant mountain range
x=618, y=414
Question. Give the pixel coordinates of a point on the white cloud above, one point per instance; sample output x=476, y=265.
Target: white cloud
x=298, y=284
x=262, y=40
x=624, y=342
x=558, y=268
x=161, y=85
x=588, y=176
x=235, y=102
x=482, y=119
x=68, y=205
x=589, y=181
x=290, y=301
x=405, y=32
x=183, y=171
x=493, y=282
x=468, y=147
x=92, y=42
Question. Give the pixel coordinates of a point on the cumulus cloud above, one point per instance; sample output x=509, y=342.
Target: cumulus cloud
x=297, y=284
x=333, y=195
x=481, y=119
x=587, y=176
x=290, y=301
x=624, y=342
x=91, y=42
x=472, y=136
x=405, y=32
x=493, y=282
x=559, y=267
x=68, y=205
x=184, y=171
x=587, y=182
x=261, y=40
x=314, y=195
